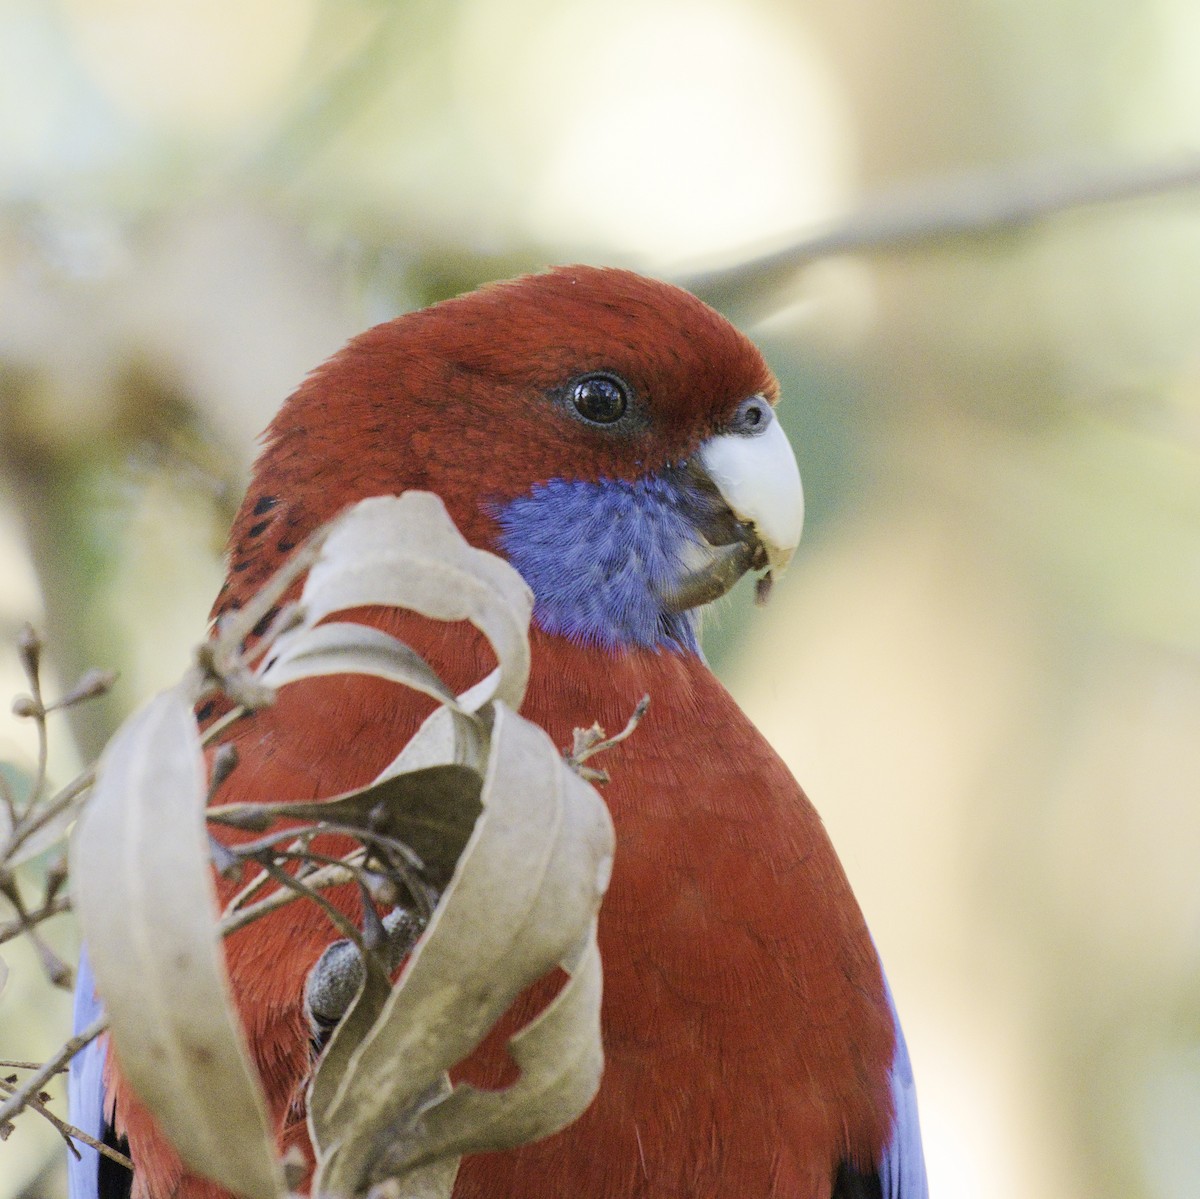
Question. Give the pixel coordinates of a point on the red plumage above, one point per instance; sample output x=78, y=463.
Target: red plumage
x=748, y=1037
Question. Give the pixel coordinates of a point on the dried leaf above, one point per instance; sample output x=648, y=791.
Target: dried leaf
x=347, y=1037
x=432, y=811
x=561, y=1060
x=405, y=552
x=524, y=893
x=518, y=844
x=348, y=648
x=143, y=890
x=445, y=736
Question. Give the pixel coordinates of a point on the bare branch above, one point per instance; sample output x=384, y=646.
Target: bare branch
x=57, y=971
x=69, y=1132
x=14, y=928
x=219, y=725
x=91, y=685
x=29, y=647
x=21, y=1097
x=980, y=204
x=34, y=821
x=236, y=916
x=8, y=800
x=591, y=741
x=304, y=891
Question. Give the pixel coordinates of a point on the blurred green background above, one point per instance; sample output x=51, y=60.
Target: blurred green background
x=984, y=665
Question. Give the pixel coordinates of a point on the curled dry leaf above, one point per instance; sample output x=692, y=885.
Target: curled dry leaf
x=524, y=894
x=560, y=1058
x=140, y=871
x=405, y=552
x=347, y=648
x=517, y=844
x=431, y=810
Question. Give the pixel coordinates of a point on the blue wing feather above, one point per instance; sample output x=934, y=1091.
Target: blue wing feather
x=902, y=1172
x=85, y=1089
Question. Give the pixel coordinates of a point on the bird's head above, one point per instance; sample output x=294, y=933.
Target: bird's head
x=609, y=434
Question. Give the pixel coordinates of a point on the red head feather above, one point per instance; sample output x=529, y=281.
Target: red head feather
x=462, y=399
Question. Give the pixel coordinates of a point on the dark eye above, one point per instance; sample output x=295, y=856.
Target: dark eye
x=602, y=399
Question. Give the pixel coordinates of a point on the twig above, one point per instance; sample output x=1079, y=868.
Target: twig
x=29, y=646
x=69, y=1132
x=401, y=862
x=14, y=928
x=77, y=1134
x=35, y=821
x=38, y=812
x=303, y=891
x=592, y=741
x=223, y=661
x=249, y=850
x=57, y=971
x=236, y=917
x=219, y=725
x=971, y=205
x=9, y=801
x=19, y=1099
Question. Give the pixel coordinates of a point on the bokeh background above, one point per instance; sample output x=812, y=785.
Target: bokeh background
x=985, y=663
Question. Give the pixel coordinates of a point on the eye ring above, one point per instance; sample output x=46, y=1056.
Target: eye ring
x=600, y=398
x=754, y=414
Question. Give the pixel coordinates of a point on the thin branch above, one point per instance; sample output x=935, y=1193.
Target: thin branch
x=20, y=1098
x=983, y=203
x=303, y=891
x=14, y=928
x=57, y=971
x=77, y=1134
x=250, y=850
x=424, y=896
x=69, y=1132
x=237, y=917
x=219, y=725
x=34, y=821
x=222, y=657
x=591, y=741
x=29, y=646
x=8, y=800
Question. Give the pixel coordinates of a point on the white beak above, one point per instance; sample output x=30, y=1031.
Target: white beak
x=757, y=476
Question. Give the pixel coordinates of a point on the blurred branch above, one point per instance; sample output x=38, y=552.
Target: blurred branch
x=20, y=1098
x=980, y=204
x=60, y=486
x=68, y=1132
x=29, y=920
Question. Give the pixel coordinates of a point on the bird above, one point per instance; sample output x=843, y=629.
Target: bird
x=616, y=440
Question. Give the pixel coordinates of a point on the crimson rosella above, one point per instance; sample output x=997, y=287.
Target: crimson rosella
x=616, y=441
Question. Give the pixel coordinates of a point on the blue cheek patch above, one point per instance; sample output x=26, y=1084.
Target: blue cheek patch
x=597, y=555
